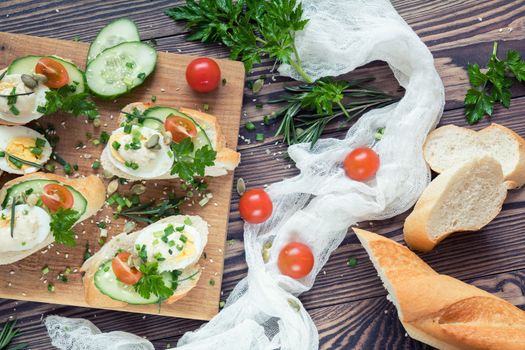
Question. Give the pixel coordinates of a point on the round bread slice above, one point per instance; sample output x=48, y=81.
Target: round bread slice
x=464, y=198
x=126, y=242
x=91, y=187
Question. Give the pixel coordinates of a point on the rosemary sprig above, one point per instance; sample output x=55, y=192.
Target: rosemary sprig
x=151, y=212
x=309, y=108
x=9, y=332
x=17, y=160
x=13, y=217
x=16, y=95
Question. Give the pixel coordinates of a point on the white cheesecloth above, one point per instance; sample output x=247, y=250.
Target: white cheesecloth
x=319, y=205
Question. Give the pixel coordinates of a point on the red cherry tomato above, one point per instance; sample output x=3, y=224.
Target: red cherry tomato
x=121, y=269
x=255, y=206
x=203, y=74
x=361, y=164
x=180, y=128
x=296, y=260
x=54, y=71
x=56, y=196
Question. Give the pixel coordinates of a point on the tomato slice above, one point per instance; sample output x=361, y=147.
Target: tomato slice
x=54, y=71
x=180, y=128
x=121, y=269
x=56, y=196
x=255, y=206
x=296, y=260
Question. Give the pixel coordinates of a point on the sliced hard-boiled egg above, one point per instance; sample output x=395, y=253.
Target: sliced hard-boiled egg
x=140, y=152
x=23, y=108
x=174, y=245
x=21, y=143
x=32, y=226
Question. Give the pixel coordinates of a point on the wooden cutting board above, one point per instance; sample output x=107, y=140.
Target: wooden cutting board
x=23, y=280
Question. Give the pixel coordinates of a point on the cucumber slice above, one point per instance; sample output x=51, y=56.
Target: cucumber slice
x=108, y=284
x=119, y=69
x=27, y=64
x=37, y=187
x=161, y=113
x=119, y=31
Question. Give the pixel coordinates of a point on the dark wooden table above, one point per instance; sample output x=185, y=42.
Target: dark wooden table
x=348, y=305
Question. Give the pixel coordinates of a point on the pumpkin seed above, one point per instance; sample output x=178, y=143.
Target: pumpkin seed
x=29, y=81
x=112, y=187
x=241, y=186
x=257, y=85
x=32, y=199
x=40, y=78
x=138, y=189
x=294, y=305
x=129, y=226
x=167, y=138
x=108, y=174
x=152, y=141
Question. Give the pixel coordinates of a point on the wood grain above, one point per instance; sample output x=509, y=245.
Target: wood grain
x=23, y=280
x=347, y=305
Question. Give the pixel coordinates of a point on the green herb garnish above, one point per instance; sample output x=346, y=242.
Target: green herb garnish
x=189, y=163
x=62, y=222
x=13, y=216
x=9, y=332
x=63, y=100
x=152, y=282
x=352, y=262
x=250, y=126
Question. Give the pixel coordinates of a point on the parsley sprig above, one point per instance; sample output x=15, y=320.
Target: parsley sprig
x=62, y=100
x=189, y=162
x=152, y=282
x=62, y=222
x=493, y=85
x=251, y=29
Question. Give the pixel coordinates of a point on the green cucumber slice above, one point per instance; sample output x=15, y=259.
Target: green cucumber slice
x=159, y=114
x=108, y=284
x=27, y=64
x=37, y=187
x=119, y=31
x=121, y=68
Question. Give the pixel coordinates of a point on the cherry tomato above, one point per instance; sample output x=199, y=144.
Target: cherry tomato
x=121, y=269
x=296, y=260
x=255, y=206
x=180, y=128
x=54, y=71
x=361, y=164
x=203, y=74
x=56, y=196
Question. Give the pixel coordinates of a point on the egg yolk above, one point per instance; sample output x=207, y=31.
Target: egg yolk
x=6, y=86
x=21, y=147
x=188, y=251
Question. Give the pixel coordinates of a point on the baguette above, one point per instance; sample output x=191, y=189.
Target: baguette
x=439, y=310
x=450, y=145
x=226, y=159
x=90, y=187
x=463, y=198
x=126, y=242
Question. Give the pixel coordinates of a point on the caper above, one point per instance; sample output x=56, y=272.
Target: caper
x=29, y=81
x=152, y=141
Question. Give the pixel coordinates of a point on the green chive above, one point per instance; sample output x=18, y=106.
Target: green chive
x=50, y=168
x=50, y=287
x=352, y=262
x=68, y=169
x=115, y=145
x=141, y=76
x=127, y=128
x=249, y=126
x=153, y=98
x=259, y=137
x=2, y=154
x=45, y=270
x=96, y=164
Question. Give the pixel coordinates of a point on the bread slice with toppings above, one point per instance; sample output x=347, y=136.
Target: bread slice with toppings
x=463, y=198
x=450, y=145
x=91, y=188
x=439, y=310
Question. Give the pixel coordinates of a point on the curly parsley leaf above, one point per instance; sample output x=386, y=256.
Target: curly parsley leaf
x=188, y=163
x=62, y=100
x=152, y=282
x=62, y=222
x=492, y=86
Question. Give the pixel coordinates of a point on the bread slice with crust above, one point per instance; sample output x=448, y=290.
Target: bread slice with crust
x=226, y=159
x=463, y=198
x=439, y=310
x=450, y=145
x=126, y=242
x=91, y=187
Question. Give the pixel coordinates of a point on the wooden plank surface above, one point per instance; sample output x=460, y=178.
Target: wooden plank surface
x=348, y=305
x=22, y=280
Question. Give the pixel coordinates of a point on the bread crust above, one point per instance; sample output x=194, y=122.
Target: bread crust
x=416, y=228
x=440, y=310
x=90, y=187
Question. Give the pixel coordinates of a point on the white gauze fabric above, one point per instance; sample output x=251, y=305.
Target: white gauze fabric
x=319, y=205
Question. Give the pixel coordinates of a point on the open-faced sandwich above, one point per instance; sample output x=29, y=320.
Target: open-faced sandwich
x=165, y=143
x=22, y=150
x=25, y=83
x=156, y=264
x=39, y=209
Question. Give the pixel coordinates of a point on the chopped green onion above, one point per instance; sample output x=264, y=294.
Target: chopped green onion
x=50, y=287
x=96, y=164
x=249, y=126
x=259, y=137
x=45, y=270
x=352, y=262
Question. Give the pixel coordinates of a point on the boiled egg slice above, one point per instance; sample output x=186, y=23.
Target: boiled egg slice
x=22, y=143
x=173, y=245
x=136, y=153
x=25, y=107
x=32, y=226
